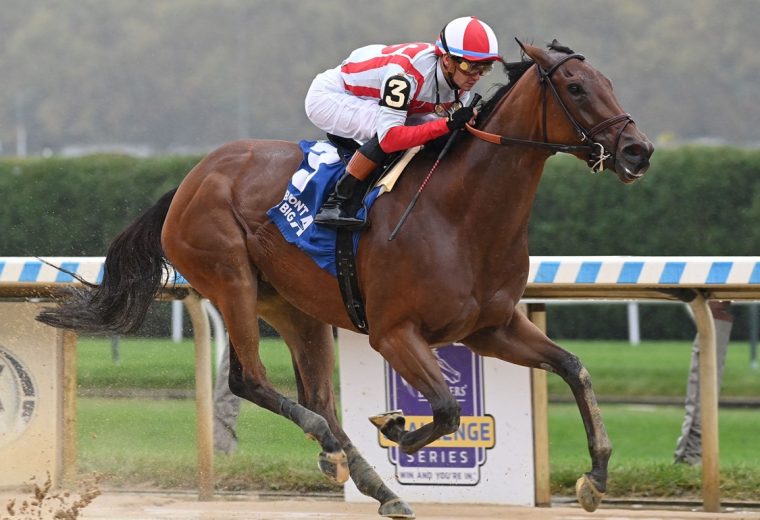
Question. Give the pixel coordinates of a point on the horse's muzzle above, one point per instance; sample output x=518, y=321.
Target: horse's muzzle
x=632, y=157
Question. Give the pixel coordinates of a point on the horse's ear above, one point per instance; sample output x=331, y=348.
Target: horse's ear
x=535, y=53
x=522, y=46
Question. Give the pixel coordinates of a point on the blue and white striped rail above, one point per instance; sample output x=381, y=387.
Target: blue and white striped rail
x=649, y=270
x=28, y=271
x=734, y=277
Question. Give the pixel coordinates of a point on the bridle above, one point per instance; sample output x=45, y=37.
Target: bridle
x=596, y=152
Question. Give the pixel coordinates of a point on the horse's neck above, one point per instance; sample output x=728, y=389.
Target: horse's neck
x=501, y=182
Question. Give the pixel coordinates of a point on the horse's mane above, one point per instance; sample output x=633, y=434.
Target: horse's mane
x=514, y=71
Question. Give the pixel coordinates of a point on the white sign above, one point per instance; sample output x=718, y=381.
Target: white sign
x=488, y=460
x=30, y=396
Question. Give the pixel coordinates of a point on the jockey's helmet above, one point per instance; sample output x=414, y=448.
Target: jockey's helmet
x=468, y=38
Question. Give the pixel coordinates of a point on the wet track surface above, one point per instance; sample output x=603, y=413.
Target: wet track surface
x=179, y=506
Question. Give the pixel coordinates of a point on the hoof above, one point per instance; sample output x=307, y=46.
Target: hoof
x=588, y=495
x=387, y=418
x=396, y=508
x=390, y=424
x=334, y=466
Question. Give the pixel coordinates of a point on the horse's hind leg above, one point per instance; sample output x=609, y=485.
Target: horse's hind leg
x=522, y=343
x=312, y=349
x=248, y=380
x=333, y=459
x=232, y=286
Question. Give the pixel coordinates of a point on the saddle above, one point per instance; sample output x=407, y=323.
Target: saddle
x=346, y=147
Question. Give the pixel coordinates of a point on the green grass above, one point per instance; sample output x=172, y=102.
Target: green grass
x=135, y=442
x=152, y=442
x=143, y=442
x=643, y=439
x=144, y=363
x=161, y=363
x=654, y=368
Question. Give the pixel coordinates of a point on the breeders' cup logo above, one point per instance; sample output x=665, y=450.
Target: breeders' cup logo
x=18, y=397
x=454, y=459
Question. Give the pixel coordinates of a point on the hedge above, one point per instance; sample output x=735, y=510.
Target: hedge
x=74, y=207
x=693, y=201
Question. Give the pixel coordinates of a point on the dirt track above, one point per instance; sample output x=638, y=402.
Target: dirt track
x=186, y=507
x=175, y=506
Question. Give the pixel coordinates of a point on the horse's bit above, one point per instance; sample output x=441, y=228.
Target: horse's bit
x=596, y=151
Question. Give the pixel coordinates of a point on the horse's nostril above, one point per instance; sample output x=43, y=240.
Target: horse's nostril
x=633, y=150
x=638, y=150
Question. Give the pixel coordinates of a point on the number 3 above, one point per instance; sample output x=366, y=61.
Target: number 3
x=396, y=93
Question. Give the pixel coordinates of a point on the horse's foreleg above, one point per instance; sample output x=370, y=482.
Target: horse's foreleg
x=412, y=358
x=522, y=343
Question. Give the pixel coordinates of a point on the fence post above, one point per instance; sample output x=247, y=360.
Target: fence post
x=176, y=321
x=708, y=403
x=537, y=314
x=203, y=395
x=753, y=335
x=634, y=326
x=68, y=341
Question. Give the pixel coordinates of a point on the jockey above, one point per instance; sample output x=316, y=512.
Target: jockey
x=391, y=98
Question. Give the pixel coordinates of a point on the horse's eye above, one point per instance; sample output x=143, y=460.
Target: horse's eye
x=575, y=89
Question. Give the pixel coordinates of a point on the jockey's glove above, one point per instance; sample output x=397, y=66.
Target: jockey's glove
x=458, y=119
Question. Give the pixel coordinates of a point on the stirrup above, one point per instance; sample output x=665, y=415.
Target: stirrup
x=332, y=217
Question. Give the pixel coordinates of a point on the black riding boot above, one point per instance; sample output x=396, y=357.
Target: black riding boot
x=337, y=211
x=333, y=212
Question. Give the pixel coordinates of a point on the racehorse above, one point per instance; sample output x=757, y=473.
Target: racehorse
x=455, y=272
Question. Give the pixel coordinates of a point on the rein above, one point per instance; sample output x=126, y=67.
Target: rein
x=596, y=151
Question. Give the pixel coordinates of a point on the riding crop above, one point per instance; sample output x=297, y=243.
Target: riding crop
x=475, y=100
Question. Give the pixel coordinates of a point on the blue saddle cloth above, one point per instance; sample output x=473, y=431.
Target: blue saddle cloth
x=308, y=188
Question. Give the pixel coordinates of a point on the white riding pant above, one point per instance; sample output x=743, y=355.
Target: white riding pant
x=337, y=112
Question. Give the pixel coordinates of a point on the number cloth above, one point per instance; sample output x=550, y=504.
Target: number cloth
x=310, y=185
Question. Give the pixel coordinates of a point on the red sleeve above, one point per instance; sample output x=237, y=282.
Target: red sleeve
x=403, y=137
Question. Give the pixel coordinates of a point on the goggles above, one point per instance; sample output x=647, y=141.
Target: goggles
x=471, y=68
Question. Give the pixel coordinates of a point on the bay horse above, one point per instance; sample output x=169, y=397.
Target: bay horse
x=455, y=272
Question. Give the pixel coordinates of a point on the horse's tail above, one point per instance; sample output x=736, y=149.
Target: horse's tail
x=133, y=275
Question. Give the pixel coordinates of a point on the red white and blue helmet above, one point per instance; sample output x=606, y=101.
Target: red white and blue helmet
x=468, y=38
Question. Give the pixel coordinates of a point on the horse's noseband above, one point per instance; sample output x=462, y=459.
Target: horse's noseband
x=600, y=155
x=596, y=151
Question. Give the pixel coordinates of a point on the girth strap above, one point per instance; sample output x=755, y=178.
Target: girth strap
x=347, y=279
